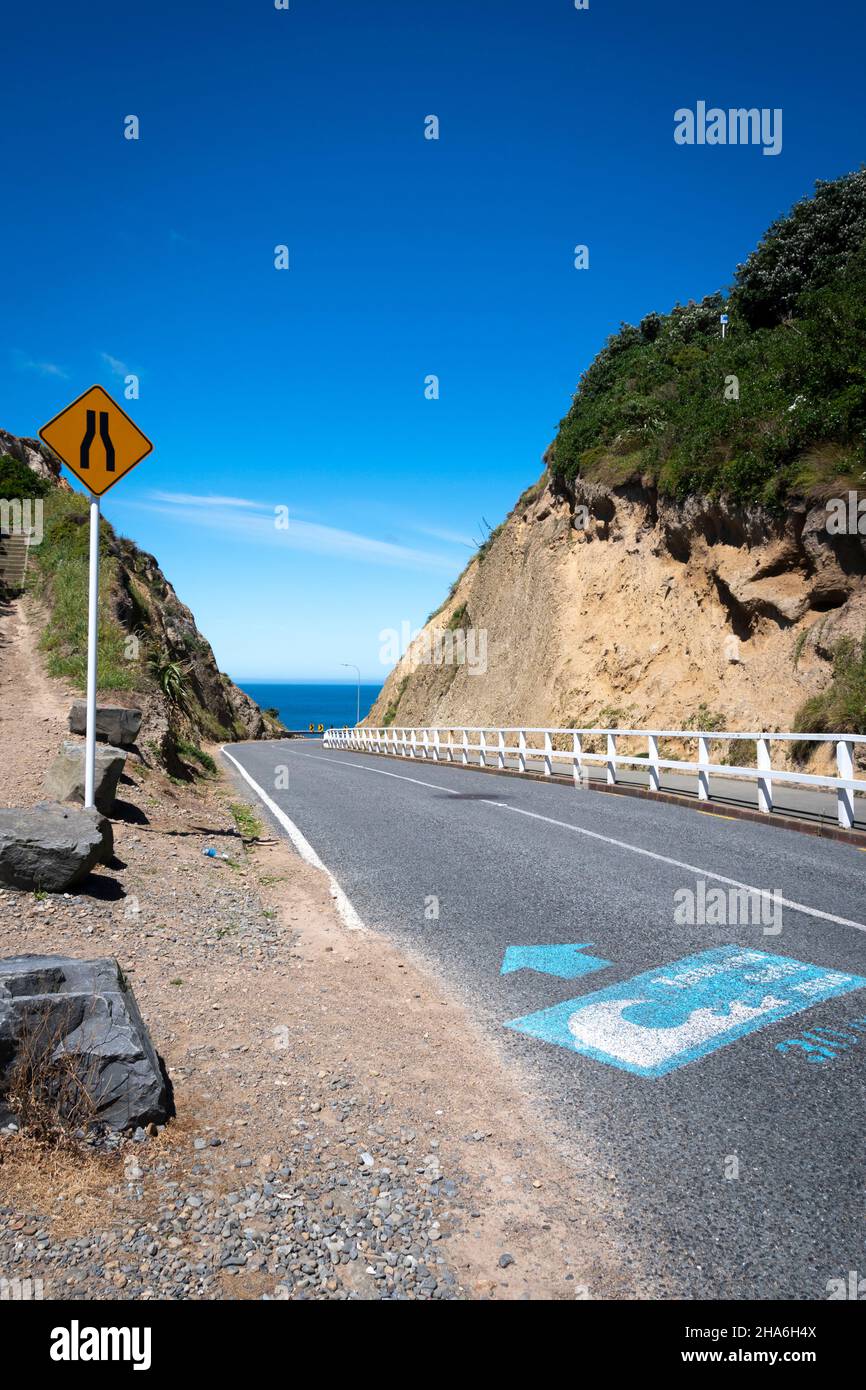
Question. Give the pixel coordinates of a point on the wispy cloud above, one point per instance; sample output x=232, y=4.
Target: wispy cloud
x=254, y=521
x=452, y=537
x=114, y=364
x=193, y=499
x=27, y=364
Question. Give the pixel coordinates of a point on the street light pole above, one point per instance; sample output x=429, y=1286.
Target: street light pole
x=358, y=706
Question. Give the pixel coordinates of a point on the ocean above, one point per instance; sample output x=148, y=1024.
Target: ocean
x=301, y=705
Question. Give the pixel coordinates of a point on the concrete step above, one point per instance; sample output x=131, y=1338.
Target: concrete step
x=13, y=560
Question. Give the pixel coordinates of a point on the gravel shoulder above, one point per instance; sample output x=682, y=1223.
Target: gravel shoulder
x=343, y=1130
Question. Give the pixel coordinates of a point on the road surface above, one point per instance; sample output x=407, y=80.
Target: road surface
x=710, y=1044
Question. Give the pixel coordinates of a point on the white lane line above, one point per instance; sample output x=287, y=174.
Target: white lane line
x=380, y=772
x=344, y=907
x=676, y=863
x=608, y=840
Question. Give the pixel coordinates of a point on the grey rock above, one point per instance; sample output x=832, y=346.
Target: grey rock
x=64, y=780
x=83, y=1010
x=114, y=723
x=51, y=846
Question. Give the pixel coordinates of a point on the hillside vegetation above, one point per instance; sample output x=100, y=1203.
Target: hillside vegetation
x=654, y=401
x=675, y=562
x=150, y=649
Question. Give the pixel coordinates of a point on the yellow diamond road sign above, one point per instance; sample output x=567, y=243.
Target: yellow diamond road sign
x=96, y=440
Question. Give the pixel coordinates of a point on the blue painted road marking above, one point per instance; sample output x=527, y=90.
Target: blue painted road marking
x=564, y=961
x=672, y=1015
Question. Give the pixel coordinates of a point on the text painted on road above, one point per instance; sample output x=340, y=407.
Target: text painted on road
x=825, y=1044
x=667, y=1017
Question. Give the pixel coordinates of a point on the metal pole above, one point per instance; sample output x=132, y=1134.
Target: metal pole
x=92, y=644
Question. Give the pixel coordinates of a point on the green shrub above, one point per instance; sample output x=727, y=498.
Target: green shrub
x=17, y=480
x=193, y=753
x=802, y=251
x=841, y=707
x=654, y=397
x=459, y=619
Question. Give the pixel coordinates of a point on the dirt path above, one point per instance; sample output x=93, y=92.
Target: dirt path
x=33, y=708
x=343, y=1129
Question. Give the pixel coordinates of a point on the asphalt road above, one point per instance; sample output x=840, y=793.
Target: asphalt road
x=733, y=1127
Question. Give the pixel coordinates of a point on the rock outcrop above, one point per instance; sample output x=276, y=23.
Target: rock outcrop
x=115, y=724
x=65, y=1019
x=36, y=455
x=51, y=846
x=64, y=780
x=184, y=697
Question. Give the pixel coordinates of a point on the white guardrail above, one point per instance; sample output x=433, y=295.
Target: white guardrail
x=490, y=749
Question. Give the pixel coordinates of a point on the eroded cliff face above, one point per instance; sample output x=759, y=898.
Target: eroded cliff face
x=652, y=613
x=206, y=705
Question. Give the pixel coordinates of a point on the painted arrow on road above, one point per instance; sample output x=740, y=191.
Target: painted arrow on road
x=564, y=960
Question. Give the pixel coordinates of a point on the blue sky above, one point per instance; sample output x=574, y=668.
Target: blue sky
x=408, y=257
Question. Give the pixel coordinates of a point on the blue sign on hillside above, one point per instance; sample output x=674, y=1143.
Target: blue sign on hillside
x=564, y=961
x=661, y=1020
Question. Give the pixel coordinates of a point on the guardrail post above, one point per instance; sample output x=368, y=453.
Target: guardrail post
x=450, y=745
x=655, y=780
x=425, y=745
x=844, y=795
x=548, y=759
x=482, y=748
x=765, y=783
x=465, y=746
x=521, y=751
x=500, y=756
x=413, y=745
x=577, y=760
x=436, y=745
x=703, y=777
x=611, y=760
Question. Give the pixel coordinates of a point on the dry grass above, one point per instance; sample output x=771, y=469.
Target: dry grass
x=50, y=1089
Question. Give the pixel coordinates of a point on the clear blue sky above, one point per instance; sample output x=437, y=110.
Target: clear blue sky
x=305, y=388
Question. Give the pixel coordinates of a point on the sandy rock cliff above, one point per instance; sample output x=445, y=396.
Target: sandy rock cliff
x=652, y=614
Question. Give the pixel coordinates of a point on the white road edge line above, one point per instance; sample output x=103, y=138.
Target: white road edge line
x=349, y=916
x=678, y=864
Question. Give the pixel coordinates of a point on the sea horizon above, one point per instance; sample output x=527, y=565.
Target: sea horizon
x=302, y=703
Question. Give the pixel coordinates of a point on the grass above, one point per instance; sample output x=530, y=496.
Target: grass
x=706, y=720
x=246, y=820
x=192, y=753
x=58, y=575
x=841, y=707
x=391, y=712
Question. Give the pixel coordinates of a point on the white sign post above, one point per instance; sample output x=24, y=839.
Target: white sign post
x=99, y=444
x=723, y=319
x=92, y=652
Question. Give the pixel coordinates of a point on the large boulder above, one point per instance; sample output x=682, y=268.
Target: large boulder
x=64, y=780
x=78, y=1019
x=114, y=723
x=50, y=846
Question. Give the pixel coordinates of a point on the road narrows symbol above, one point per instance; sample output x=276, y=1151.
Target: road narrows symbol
x=96, y=440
